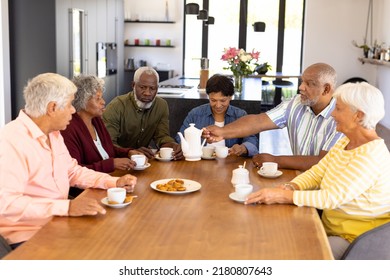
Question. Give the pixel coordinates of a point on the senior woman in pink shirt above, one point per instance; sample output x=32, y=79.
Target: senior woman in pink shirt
x=36, y=168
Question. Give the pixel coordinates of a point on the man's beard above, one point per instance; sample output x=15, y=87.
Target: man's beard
x=143, y=105
x=310, y=102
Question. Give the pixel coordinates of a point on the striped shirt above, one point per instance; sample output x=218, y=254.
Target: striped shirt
x=308, y=133
x=352, y=186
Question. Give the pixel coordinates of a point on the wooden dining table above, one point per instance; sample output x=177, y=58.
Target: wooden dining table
x=201, y=225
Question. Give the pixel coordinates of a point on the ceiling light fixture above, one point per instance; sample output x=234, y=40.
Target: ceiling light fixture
x=259, y=26
x=192, y=9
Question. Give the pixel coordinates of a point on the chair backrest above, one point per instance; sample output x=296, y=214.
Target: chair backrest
x=371, y=245
x=4, y=247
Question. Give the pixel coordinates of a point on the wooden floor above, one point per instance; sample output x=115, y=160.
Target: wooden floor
x=276, y=141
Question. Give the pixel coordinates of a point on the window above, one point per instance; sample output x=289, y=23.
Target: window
x=225, y=33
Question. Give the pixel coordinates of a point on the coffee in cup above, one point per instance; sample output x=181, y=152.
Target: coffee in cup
x=221, y=151
x=208, y=151
x=166, y=153
x=269, y=168
x=243, y=190
x=139, y=160
x=116, y=195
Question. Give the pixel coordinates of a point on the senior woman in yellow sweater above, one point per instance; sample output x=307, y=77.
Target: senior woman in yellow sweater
x=352, y=182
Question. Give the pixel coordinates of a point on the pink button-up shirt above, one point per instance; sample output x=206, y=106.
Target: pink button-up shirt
x=35, y=178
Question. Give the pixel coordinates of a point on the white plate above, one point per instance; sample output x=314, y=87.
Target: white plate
x=105, y=202
x=234, y=197
x=276, y=175
x=191, y=186
x=142, y=167
x=162, y=159
x=212, y=157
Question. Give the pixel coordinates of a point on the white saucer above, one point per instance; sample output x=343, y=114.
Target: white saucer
x=234, y=197
x=157, y=156
x=142, y=167
x=276, y=175
x=105, y=202
x=212, y=157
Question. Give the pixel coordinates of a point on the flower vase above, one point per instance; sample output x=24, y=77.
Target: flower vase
x=238, y=84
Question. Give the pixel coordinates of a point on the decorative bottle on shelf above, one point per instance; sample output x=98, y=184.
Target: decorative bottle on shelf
x=166, y=11
x=204, y=72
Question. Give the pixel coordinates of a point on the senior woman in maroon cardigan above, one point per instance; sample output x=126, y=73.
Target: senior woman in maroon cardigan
x=86, y=137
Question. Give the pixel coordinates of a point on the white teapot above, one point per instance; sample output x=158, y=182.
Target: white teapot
x=240, y=176
x=191, y=143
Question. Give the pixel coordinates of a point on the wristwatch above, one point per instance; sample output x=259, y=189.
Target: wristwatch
x=289, y=186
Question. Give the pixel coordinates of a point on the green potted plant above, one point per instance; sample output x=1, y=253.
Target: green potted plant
x=263, y=68
x=365, y=48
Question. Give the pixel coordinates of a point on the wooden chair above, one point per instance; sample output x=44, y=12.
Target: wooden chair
x=4, y=247
x=371, y=245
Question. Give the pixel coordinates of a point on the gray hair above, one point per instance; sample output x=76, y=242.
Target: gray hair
x=325, y=74
x=87, y=87
x=365, y=98
x=46, y=88
x=145, y=69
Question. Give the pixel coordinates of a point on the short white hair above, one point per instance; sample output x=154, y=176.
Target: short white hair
x=45, y=88
x=365, y=98
x=145, y=69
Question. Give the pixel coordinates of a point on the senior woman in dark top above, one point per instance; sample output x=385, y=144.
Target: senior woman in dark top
x=86, y=137
x=220, y=90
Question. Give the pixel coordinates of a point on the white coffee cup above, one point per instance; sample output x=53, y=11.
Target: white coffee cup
x=221, y=151
x=139, y=160
x=166, y=153
x=269, y=168
x=208, y=151
x=116, y=195
x=243, y=190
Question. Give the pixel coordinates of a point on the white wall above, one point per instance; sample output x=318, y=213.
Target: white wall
x=330, y=27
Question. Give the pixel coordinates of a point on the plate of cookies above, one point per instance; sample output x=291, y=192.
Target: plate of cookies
x=175, y=186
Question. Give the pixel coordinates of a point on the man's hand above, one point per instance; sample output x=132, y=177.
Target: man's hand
x=212, y=133
x=81, y=206
x=142, y=151
x=177, y=152
x=260, y=158
x=127, y=181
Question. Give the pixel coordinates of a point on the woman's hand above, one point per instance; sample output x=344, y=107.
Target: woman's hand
x=123, y=164
x=271, y=196
x=238, y=150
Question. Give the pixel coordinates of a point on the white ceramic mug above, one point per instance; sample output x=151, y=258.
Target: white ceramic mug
x=208, y=151
x=243, y=190
x=221, y=151
x=166, y=153
x=116, y=195
x=269, y=168
x=139, y=160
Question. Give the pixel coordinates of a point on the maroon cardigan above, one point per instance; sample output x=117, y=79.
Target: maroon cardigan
x=81, y=146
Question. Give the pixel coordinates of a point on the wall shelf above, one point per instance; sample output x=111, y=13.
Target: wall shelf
x=149, y=46
x=148, y=21
x=374, y=61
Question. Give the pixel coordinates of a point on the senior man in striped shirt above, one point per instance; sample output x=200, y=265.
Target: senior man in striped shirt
x=307, y=117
